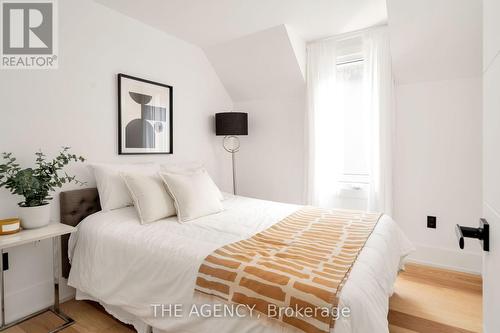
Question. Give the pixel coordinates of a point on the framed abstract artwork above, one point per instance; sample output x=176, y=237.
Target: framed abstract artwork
x=145, y=113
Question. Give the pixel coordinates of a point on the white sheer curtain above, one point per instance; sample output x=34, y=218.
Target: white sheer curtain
x=379, y=89
x=325, y=123
x=324, y=133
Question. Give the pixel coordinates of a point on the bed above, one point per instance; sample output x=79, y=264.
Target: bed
x=130, y=268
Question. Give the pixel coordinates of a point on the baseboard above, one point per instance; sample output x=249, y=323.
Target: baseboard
x=462, y=261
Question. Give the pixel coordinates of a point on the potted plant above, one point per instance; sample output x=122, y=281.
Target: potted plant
x=36, y=184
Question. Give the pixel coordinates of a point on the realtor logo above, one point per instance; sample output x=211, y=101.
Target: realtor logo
x=29, y=38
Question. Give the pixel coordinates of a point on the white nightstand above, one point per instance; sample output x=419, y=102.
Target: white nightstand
x=53, y=231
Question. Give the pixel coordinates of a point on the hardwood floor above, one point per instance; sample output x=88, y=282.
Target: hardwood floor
x=434, y=300
x=426, y=300
x=88, y=317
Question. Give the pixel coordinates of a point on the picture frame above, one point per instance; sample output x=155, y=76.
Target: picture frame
x=145, y=116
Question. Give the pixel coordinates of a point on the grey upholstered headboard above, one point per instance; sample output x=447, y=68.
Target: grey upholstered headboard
x=75, y=206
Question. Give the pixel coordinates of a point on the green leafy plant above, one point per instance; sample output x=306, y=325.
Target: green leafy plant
x=35, y=184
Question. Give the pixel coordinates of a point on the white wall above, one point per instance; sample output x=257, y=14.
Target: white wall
x=491, y=163
x=270, y=164
x=445, y=39
x=437, y=168
x=75, y=105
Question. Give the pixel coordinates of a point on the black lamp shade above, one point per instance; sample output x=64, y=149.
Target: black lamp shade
x=231, y=123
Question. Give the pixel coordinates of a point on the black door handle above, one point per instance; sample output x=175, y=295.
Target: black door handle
x=482, y=233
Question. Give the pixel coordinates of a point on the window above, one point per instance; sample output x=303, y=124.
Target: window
x=350, y=121
x=353, y=183
x=356, y=119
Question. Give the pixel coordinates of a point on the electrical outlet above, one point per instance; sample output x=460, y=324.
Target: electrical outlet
x=5, y=261
x=431, y=222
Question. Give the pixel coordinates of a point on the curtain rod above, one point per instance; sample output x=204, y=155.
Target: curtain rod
x=350, y=34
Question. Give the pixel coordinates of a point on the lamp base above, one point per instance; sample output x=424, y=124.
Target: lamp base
x=231, y=144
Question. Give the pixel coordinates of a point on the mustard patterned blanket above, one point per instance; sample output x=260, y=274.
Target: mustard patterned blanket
x=299, y=264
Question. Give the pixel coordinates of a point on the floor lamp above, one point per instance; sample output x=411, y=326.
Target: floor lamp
x=231, y=124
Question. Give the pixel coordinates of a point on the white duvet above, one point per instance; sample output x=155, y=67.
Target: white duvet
x=127, y=267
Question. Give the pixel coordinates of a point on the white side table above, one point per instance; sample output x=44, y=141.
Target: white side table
x=53, y=231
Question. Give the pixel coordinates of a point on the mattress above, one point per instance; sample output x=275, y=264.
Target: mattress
x=131, y=268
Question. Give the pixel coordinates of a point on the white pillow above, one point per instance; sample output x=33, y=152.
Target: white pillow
x=193, y=194
x=189, y=168
x=113, y=192
x=151, y=199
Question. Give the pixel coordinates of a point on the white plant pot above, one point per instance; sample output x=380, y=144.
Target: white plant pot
x=34, y=217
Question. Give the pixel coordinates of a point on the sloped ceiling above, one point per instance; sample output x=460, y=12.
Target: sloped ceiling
x=435, y=40
x=258, y=66
x=210, y=22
